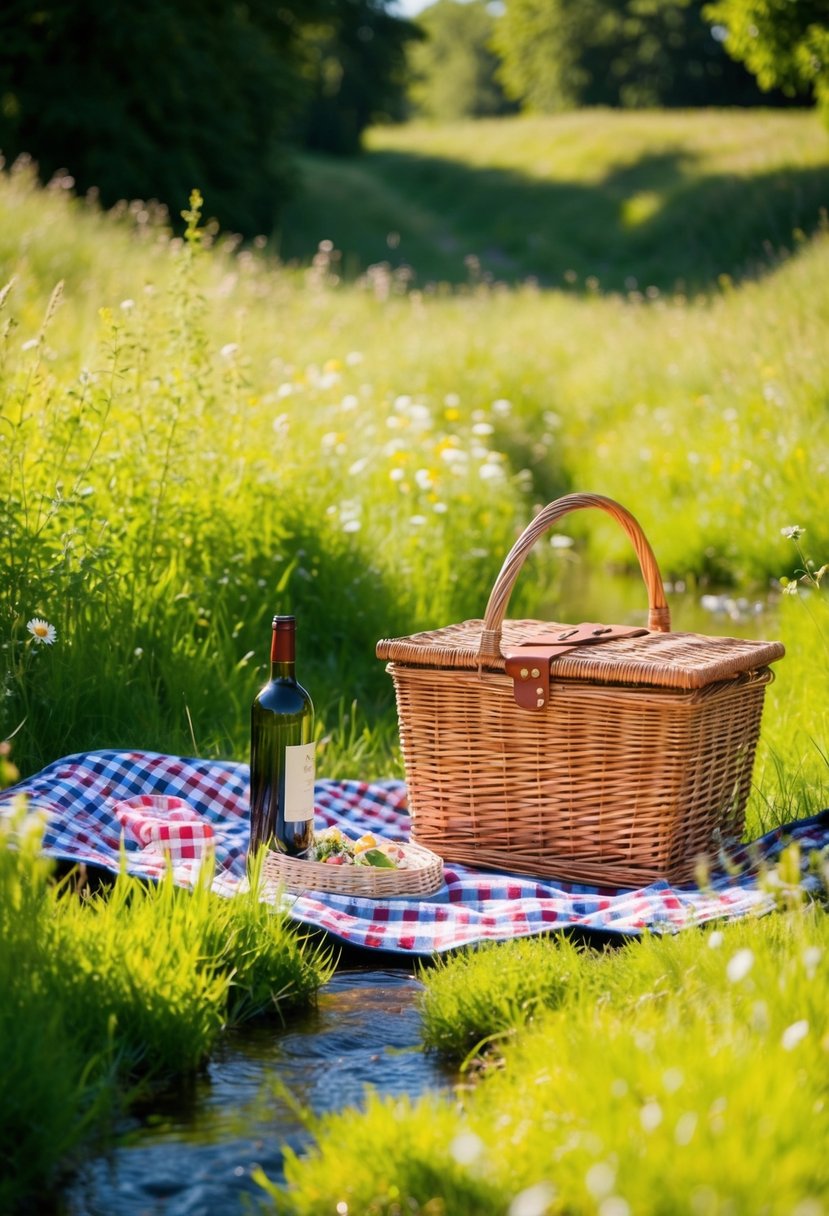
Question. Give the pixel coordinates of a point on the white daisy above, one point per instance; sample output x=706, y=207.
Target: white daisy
x=41, y=631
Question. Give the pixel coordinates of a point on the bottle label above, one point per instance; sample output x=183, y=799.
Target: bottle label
x=299, y=782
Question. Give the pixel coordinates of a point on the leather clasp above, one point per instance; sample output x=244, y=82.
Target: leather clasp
x=530, y=675
x=529, y=663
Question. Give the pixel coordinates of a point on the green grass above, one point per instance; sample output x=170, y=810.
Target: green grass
x=586, y=200
x=678, y=1076
x=106, y=997
x=477, y=999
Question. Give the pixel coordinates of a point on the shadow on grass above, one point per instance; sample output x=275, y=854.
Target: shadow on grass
x=659, y=221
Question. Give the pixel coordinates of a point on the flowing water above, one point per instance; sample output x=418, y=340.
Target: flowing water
x=192, y=1153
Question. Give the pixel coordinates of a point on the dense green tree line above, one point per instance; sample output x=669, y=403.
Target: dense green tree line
x=549, y=55
x=455, y=68
x=152, y=100
x=149, y=101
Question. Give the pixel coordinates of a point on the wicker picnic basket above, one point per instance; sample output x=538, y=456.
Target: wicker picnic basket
x=596, y=753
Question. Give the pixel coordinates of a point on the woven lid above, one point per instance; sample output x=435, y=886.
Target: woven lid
x=661, y=660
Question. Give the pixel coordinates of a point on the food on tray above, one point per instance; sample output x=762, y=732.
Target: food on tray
x=333, y=847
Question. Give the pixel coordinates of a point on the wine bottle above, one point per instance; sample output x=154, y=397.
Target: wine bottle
x=282, y=753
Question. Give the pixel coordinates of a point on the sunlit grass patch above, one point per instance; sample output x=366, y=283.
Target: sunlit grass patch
x=693, y=1080
x=474, y=1000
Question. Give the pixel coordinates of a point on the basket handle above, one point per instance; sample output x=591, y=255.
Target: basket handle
x=659, y=614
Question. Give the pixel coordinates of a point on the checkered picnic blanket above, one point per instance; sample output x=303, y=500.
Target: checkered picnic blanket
x=77, y=796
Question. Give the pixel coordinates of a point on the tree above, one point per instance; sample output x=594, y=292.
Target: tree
x=356, y=65
x=783, y=43
x=454, y=68
x=151, y=100
x=540, y=43
x=558, y=54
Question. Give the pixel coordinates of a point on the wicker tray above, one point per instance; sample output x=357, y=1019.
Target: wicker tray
x=602, y=754
x=423, y=876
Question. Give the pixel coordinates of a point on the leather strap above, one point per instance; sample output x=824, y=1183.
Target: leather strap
x=528, y=663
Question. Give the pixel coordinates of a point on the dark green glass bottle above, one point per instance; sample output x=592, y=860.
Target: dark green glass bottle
x=282, y=753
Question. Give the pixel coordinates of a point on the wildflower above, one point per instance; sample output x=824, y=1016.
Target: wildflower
x=600, y=1179
x=41, y=631
x=793, y=1034
x=127, y=305
x=794, y=532
x=501, y=406
x=534, y=1201
x=614, y=1205
x=421, y=416
x=229, y=350
x=811, y=957
x=466, y=1148
x=30, y=344
x=686, y=1125
x=650, y=1116
x=739, y=965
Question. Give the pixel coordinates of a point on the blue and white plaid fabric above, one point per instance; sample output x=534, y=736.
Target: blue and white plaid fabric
x=77, y=797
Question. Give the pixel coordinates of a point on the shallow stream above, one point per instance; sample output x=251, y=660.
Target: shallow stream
x=192, y=1154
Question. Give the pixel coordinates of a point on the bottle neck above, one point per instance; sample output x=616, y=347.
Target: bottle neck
x=283, y=648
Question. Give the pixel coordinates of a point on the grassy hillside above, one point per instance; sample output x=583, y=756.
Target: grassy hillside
x=644, y=198
x=194, y=437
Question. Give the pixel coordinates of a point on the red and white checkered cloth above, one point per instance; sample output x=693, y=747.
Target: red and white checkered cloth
x=165, y=826
x=79, y=797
